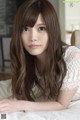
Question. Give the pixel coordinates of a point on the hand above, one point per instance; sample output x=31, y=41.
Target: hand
x=11, y=105
x=11, y=97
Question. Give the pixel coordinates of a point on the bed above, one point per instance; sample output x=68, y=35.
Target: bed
x=72, y=113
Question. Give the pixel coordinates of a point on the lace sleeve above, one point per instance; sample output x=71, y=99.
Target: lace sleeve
x=72, y=77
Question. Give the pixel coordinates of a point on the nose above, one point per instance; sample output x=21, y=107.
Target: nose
x=34, y=35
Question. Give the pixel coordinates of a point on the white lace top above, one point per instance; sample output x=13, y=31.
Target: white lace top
x=72, y=78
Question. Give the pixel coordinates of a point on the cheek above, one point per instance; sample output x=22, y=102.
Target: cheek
x=24, y=40
x=45, y=39
x=44, y=36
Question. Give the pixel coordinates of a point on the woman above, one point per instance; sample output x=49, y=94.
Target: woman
x=45, y=71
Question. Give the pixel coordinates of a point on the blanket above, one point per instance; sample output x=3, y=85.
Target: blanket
x=72, y=113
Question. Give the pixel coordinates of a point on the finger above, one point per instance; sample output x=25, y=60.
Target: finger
x=4, y=110
x=3, y=100
x=4, y=104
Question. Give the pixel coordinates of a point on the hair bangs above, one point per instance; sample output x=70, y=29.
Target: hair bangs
x=31, y=15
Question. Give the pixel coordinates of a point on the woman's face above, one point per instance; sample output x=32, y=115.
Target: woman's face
x=35, y=39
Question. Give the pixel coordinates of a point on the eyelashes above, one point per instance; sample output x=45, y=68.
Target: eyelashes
x=41, y=28
x=25, y=28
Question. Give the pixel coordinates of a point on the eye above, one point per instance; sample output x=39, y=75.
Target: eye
x=26, y=28
x=42, y=28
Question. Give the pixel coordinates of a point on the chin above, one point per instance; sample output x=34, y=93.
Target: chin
x=35, y=54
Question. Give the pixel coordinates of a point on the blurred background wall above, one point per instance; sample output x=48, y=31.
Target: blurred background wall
x=7, y=13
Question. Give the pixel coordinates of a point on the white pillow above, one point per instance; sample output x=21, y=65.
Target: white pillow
x=5, y=88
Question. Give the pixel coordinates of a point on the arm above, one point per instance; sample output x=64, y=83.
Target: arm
x=13, y=105
x=62, y=103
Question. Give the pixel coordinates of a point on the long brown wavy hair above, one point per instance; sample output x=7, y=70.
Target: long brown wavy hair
x=23, y=64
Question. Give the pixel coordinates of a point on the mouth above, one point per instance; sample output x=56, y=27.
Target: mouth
x=34, y=46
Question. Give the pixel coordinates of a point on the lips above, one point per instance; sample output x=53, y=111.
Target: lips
x=34, y=46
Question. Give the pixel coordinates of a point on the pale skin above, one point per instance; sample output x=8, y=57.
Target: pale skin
x=35, y=41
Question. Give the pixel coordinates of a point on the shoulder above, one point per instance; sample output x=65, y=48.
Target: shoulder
x=72, y=53
x=72, y=59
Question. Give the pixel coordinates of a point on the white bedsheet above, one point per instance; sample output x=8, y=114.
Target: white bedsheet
x=72, y=113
